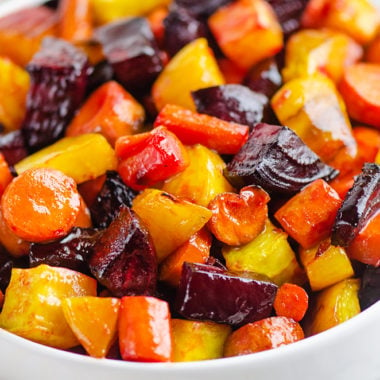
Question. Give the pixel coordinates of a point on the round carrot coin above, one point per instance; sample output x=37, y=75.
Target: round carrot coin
x=41, y=204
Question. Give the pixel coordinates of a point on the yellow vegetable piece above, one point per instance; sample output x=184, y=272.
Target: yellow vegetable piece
x=192, y=68
x=93, y=320
x=325, y=265
x=170, y=221
x=83, y=157
x=334, y=305
x=202, y=180
x=194, y=340
x=269, y=254
x=33, y=303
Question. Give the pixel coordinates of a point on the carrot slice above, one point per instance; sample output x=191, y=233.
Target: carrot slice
x=291, y=301
x=41, y=204
x=5, y=174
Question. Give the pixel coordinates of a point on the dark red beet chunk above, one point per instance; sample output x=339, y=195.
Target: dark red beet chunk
x=210, y=293
x=201, y=8
x=114, y=194
x=132, y=51
x=124, y=258
x=231, y=102
x=361, y=203
x=12, y=146
x=369, y=291
x=6, y=265
x=59, y=75
x=101, y=74
x=276, y=159
x=70, y=252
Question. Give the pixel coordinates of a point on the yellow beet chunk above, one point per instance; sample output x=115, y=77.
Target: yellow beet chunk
x=93, y=320
x=333, y=306
x=192, y=68
x=323, y=51
x=313, y=109
x=325, y=265
x=170, y=221
x=83, y=157
x=14, y=85
x=269, y=254
x=195, y=340
x=33, y=303
x=105, y=11
x=202, y=180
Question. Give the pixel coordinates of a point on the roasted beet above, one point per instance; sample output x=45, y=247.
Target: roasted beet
x=70, y=252
x=276, y=159
x=361, y=203
x=131, y=49
x=369, y=292
x=124, y=258
x=13, y=147
x=231, y=102
x=6, y=265
x=202, y=8
x=210, y=293
x=101, y=74
x=114, y=194
x=59, y=75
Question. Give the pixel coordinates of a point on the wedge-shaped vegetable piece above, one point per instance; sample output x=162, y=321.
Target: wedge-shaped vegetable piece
x=239, y=218
x=325, y=265
x=148, y=158
x=322, y=51
x=238, y=26
x=202, y=180
x=195, y=250
x=33, y=303
x=361, y=203
x=357, y=18
x=21, y=32
x=210, y=293
x=194, y=128
x=308, y=217
x=263, y=335
x=14, y=86
x=110, y=111
x=144, y=329
x=276, y=159
x=65, y=154
x=333, y=306
x=268, y=254
x=192, y=68
x=93, y=321
x=182, y=219
x=198, y=340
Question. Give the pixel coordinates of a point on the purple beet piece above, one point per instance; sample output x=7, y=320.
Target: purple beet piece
x=70, y=252
x=13, y=147
x=132, y=51
x=209, y=293
x=59, y=75
x=101, y=74
x=276, y=159
x=124, y=258
x=114, y=194
x=231, y=102
x=6, y=265
x=202, y=8
x=361, y=203
x=369, y=291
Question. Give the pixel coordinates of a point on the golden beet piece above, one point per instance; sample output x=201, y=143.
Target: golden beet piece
x=239, y=218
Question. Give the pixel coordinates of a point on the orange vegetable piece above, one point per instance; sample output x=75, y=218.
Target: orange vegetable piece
x=373, y=51
x=195, y=128
x=308, y=216
x=360, y=89
x=89, y=190
x=156, y=21
x=111, y=111
x=239, y=218
x=195, y=250
x=263, y=335
x=5, y=174
x=368, y=142
x=239, y=26
x=93, y=321
x=75, y=20
x=231, y=72
x=291, y=301
x=41, y=204
x=144, y=329
x=84, y=217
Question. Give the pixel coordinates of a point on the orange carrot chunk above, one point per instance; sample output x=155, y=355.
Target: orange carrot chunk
x=5, y=174
x=41, y=204
x=291, y=301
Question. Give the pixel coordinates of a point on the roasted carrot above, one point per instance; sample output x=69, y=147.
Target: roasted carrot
x=89, y=190
x=291, y=301
x=156, y=22
x=5, y=174
x=84, y=217
x=41, y=204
